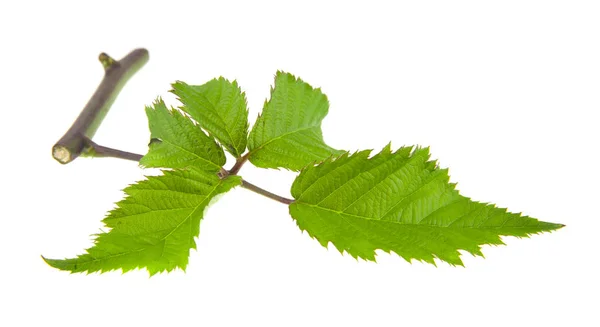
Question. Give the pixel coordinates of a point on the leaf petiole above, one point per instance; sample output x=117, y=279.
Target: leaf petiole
x=101, y=151
x=239, y=162
x=249, y=186
x=96, y=150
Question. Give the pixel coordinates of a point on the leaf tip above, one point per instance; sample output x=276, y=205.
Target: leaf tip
x=177, y=86
x=45, y=259
x=54, y=263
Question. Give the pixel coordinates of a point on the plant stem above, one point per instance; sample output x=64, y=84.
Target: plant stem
x=249, y=186
x=101, y=151
x=96, y=150
x=77, y=140
x=239, y=162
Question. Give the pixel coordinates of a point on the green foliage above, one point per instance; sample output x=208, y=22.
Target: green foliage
x=398, y=202
x=220, y=107
x=178, y=143
x=154, y=226
x=394, y=201
x=288, y=132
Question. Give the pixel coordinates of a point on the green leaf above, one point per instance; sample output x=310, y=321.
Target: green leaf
x=178, y=143
x=288, y=132
x=220, y=107
x=398, y=202
x=154, y=226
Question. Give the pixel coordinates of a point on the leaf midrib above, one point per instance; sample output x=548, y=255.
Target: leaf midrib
x=192, y=153
x=216, y=112
x=206, y=198
x=250, y=153
x=401, y=223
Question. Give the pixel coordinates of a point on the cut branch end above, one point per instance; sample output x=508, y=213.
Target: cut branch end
x=61, y=154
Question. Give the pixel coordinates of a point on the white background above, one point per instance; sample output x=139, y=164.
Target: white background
x=505, y=93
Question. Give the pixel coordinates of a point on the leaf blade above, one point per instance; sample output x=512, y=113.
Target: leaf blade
x=178, y=142
x=288, y=133
x=220, y=107
x=155, y=226
x=398, y=202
